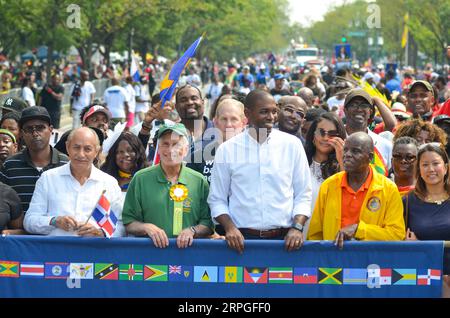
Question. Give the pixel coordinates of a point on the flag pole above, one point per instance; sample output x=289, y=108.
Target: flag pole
x=103, y=192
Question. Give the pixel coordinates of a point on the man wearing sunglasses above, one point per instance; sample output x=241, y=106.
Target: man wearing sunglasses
x=291, y=115
x=359, y=109
x=22, y=170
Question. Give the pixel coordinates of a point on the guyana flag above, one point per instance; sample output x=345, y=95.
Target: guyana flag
x=330, y=276
x=378, y=163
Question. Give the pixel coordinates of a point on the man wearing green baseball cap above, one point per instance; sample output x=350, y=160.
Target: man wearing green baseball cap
x=8, y=145
x=168, y=200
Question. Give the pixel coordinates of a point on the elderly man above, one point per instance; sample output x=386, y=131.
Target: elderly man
x=421, y=100
x=229, y=120
x=168, y=200
x=65, y=197
x=358, y=203
x=261, y=182
x=22, y=170
x=292, y=112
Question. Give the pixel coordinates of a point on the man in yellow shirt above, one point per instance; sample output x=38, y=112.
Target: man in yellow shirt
x=358, y=203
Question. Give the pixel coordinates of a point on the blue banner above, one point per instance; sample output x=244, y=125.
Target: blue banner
x=38, y=266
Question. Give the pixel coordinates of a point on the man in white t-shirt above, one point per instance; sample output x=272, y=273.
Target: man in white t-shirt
x=142, y=100
x=82, y=95
x=116, y=99
x=131, y=101
x=27, y=93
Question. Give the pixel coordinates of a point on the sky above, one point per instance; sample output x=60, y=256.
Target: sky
x=307, y=11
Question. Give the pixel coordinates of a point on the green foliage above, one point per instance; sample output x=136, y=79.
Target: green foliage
x=233, y=27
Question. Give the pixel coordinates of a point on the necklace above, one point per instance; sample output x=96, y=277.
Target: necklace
x=439, y=201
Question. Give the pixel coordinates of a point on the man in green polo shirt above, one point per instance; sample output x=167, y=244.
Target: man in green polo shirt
x=168, y=200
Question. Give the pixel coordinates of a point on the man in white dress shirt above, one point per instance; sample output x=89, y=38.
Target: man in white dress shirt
x=65, y=197
x=261, y=183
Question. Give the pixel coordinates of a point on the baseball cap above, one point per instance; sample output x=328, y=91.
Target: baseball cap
x=96, y=109
x=8, y=133
x=34, y=112
x=425, y=84
x=358, y=92
x=169, y=125
x=398, y=109
x=14, y=104
x=278, y=76
x=441, y=118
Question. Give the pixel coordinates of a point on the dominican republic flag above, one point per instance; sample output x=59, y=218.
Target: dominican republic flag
x=104, y=217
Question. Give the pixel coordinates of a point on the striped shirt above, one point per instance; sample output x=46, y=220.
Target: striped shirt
x=21, y=174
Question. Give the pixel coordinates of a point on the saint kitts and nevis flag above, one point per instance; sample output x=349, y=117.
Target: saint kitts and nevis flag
x=170, y=81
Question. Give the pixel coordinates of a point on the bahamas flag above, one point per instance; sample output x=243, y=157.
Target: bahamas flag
x=170, y=81
x=378, y=163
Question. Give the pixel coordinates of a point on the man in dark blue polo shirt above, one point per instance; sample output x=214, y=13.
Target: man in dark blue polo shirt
x=190, y=107
x=22, y=170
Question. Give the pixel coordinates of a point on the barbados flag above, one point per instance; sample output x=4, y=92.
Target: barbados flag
x=170, y=81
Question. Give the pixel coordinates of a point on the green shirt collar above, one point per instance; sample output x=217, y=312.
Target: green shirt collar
x=181, y=178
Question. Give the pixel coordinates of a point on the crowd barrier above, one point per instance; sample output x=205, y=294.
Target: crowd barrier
x=39, y=266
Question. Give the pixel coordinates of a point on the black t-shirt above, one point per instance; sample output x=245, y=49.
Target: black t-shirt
x=207, y=160
x=10, y=207
x=48, y=101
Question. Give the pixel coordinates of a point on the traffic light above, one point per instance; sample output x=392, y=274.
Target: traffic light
x=344, y=39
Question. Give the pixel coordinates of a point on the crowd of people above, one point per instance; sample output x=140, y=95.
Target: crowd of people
x=325, y=160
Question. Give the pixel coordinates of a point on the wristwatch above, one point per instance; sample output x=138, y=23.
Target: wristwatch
x=298, y=226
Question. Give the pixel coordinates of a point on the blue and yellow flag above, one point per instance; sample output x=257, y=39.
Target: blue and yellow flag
x=170, y=81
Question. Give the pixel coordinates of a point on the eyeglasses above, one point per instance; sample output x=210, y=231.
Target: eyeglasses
x=31, y=129
x=322, y=132
x=362, y=106
x=288, y=111
x=407, y=159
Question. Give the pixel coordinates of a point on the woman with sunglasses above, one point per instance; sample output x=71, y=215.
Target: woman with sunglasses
x=427, y=208
x=404, y=155
x=324, y=149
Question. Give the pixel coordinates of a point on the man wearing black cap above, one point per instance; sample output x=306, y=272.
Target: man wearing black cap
x=13, y=104
x=22, y=170
x=421, y=100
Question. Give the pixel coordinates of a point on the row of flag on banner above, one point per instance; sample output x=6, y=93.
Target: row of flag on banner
x=222, y=274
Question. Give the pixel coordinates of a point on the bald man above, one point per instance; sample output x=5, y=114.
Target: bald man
x=292, y=113
x=358, y=203
x=307, y=95
x=229, y=120
x=65, y=197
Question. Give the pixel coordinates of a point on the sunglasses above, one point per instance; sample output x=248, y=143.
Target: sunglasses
x=331, y=133
x=31, y=129
x=288, y=111
x=406, y=158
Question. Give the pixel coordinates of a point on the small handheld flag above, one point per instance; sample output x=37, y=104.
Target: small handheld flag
x=104, y=216
x=134, y=69
x=170, y=81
